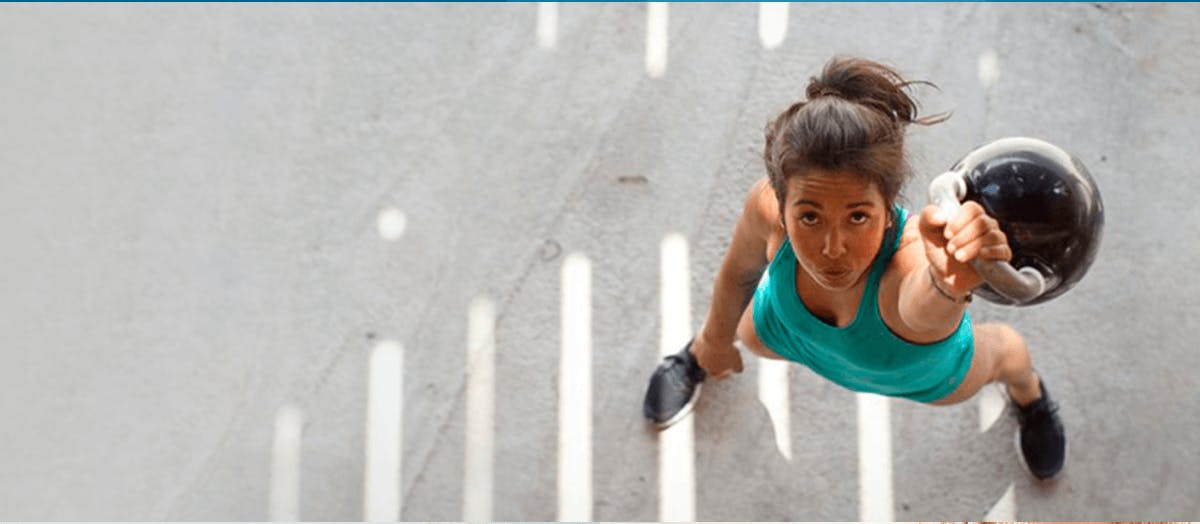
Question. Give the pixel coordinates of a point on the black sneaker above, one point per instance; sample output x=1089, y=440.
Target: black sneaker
x=1043, y=441
x=674, y=388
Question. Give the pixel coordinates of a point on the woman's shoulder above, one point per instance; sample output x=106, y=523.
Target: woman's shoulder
x=762, y=213
x=761, y=201
x=762, y=210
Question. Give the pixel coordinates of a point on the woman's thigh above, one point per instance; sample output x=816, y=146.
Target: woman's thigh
x=749, y=336
x=991, y=341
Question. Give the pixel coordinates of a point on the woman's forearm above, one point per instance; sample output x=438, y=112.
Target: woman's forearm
x=924, y=306
x=731, y=294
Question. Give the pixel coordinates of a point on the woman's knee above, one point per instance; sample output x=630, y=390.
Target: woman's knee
x=996, y=347
x=749, y=335
x=1008, y=335
x=1005, y=346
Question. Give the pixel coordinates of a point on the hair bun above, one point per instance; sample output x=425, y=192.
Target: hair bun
x=817, y=89
x=870, y=84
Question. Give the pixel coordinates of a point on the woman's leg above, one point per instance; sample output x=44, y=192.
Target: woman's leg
x=1000, y=356
x=749, y=337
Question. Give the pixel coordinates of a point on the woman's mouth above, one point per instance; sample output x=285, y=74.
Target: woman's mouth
x=835, y=274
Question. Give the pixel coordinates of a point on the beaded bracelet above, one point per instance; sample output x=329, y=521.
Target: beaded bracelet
x=933, y=280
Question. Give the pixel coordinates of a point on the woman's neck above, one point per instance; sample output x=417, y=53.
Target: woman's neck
x=833, y=306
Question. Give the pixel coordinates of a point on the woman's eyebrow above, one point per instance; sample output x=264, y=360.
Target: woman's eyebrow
x=864, y=203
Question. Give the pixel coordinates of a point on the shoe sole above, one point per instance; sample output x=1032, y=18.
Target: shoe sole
x=1021, y=458
x=683, y=412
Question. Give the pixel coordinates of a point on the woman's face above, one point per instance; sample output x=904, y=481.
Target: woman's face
x=835, y=222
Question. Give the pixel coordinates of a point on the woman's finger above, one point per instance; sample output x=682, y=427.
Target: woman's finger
x=977, y=228
x=968, y=251
x=976, y=247
x=996, y=252
x=966, y=214
x=931, y=225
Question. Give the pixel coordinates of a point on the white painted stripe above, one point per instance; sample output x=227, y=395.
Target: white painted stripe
x=675, y=294
x=547, y=25
x=874, y=458
x=481, y=393
x=391, y=223
x=656, y=39
x=677, y=472
x=991, y=406
x=772, y=23
x=676, y=445
x=989, y=68
x=575, y=392
x=1005, y=509
x=381, y=493
x=773, y=392
x=285, y=465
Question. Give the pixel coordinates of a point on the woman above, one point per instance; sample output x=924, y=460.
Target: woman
x=855, y=289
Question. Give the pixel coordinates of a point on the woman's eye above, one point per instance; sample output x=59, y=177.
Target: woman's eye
x=859, y=218
x=808, y=219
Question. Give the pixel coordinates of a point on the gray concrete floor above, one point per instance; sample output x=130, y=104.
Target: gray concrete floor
x=189, y=197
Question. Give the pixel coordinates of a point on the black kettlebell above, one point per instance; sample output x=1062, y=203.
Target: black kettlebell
x=1048, y=206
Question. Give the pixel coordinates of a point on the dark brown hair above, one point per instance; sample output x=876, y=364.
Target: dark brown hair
x=853, y=120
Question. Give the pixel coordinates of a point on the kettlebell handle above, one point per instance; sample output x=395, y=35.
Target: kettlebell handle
x=946, y=192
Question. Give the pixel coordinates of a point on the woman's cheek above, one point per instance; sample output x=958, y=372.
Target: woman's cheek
x=866, y=247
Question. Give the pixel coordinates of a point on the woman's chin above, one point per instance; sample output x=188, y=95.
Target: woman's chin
x=838, y=282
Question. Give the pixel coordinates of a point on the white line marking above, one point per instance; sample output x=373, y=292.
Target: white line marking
x=285, y=465
x=989, y=68
x=874, y=458
x=676, y=445
x=656, y=38
x=675, y=294
x=773, y=392
x=1005, y=509
x=381, y=493
x=480, y=428
x=391, y=224
x=991, y=406
x=547, y=25
x=772, y=23
x=575, y=392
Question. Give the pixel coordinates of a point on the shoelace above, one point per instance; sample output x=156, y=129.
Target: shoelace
x=685, y=377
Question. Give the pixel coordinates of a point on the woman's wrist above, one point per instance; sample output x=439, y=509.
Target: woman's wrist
x=933, y=281
x=710, y=342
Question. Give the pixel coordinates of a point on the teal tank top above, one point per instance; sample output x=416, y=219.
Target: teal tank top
x=864, y=356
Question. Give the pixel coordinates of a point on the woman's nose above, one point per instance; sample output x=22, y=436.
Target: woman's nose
x=834, y=247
